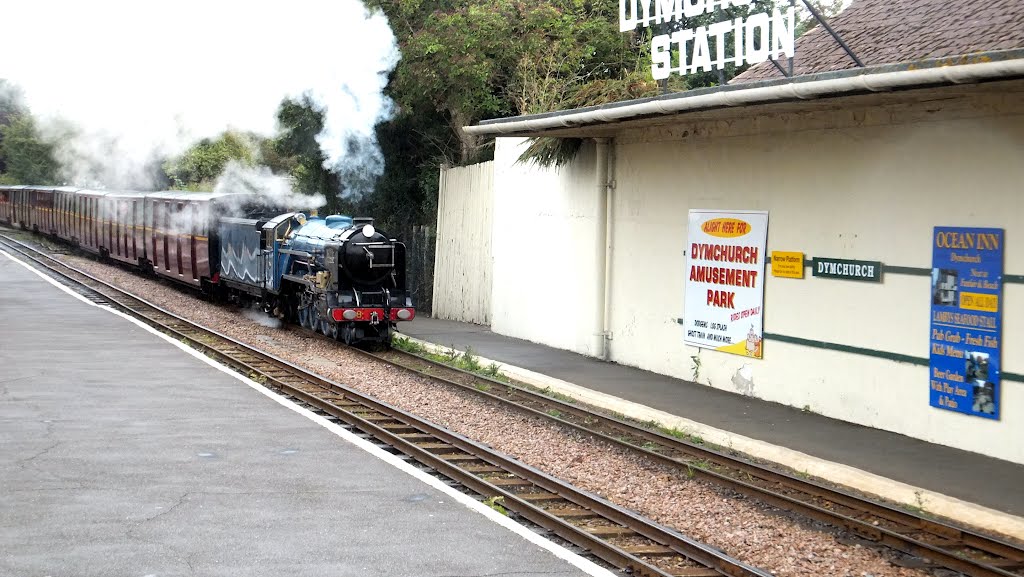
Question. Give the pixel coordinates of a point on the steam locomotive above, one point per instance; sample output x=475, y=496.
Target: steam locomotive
x=337, y=275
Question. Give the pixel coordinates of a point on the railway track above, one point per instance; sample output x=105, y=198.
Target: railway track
x=601, y=529
x=929, y=543
x=933, y=544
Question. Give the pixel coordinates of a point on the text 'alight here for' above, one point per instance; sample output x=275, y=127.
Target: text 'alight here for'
x=755, y=38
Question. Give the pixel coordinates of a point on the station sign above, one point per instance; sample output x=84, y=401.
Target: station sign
x=723, y=306
x=787, y=264
x=966, y=320
x=862, y=270
x=741, y=40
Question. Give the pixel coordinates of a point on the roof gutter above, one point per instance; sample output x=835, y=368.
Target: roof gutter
x=729, y=97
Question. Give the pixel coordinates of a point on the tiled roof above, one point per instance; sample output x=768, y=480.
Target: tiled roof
x=890, y=31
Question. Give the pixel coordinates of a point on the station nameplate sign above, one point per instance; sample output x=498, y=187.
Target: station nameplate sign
x=787, y=264
x=862, y=270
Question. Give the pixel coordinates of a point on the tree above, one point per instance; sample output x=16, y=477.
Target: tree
x=28, y=158
x=204, y=161
x=474, y=59
x=827, y=8
x=296, y=149
x=12, y=104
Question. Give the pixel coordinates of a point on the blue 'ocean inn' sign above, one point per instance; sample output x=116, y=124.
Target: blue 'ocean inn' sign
x=967, y=280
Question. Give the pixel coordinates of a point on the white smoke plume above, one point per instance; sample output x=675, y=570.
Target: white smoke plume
x=272, y=189
x=261, y=318
x=255, y=187
x=126, y=82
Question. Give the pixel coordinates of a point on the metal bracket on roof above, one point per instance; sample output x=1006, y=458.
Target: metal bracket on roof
x=786, y=73
x=821, y=20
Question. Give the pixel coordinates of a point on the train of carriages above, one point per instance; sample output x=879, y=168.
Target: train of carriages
x=337, y=275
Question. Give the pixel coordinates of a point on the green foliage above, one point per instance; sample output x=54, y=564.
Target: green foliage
x=28, y=158
x=465, y=360
x=414, y=146
x=492, y=370
x=548, y=151
x=495, y=503
x=12, y=102
x=406, y=344
x=297, y=152
x=469, y=361
x=548, y=391
x=199, y=166
x=466, y=60
x=806, y=21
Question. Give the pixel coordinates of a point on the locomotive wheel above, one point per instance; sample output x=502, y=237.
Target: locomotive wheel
x=332, y=330
x=306, y=317
x=327, y=328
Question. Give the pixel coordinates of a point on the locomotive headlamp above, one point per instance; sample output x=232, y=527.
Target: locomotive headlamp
x=368, y=231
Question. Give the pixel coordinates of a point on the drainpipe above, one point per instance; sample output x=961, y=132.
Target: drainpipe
x=608, y=242
x=603, y=246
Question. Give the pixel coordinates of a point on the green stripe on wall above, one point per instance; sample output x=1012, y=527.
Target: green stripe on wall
x=900, y=358
x=915, y=271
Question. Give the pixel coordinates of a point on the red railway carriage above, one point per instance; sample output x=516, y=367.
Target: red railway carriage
x=89, y=220
x=41, y=215
x=8, y=198
x=14, y=209
x=123, y=230
x=178, y=234
x=64, y=202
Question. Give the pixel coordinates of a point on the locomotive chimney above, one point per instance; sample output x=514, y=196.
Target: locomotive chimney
x=361, y=220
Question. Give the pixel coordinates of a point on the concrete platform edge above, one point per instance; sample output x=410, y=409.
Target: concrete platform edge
x=932, y=502
x=560, y=552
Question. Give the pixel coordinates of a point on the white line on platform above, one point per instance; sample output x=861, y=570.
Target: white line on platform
x=588, y=567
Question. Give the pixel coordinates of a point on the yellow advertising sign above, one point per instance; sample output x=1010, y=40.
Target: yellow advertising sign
x=988, y=303
x=788, y=264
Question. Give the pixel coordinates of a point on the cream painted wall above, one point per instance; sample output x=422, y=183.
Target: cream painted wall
x=462, y=261
x=545, y=253
x=864, y=183
x=855, y=190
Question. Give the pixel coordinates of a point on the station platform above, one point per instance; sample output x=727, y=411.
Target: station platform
x=126, y=453
x=963, y=486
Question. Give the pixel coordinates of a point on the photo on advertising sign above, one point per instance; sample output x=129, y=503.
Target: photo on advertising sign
x=966, y=296
x=725, y=264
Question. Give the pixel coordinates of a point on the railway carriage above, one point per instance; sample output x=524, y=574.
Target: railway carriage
x=39, y=202
x=14, y=210
x=124, y=238
x=90, y=221
x=8, y=198
x=66, y=218
x=180, y=232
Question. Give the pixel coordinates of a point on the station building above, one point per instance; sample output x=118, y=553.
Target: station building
x=884, y=205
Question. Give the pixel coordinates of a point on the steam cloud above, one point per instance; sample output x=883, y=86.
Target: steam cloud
x=121, y=84
x=273, y=190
